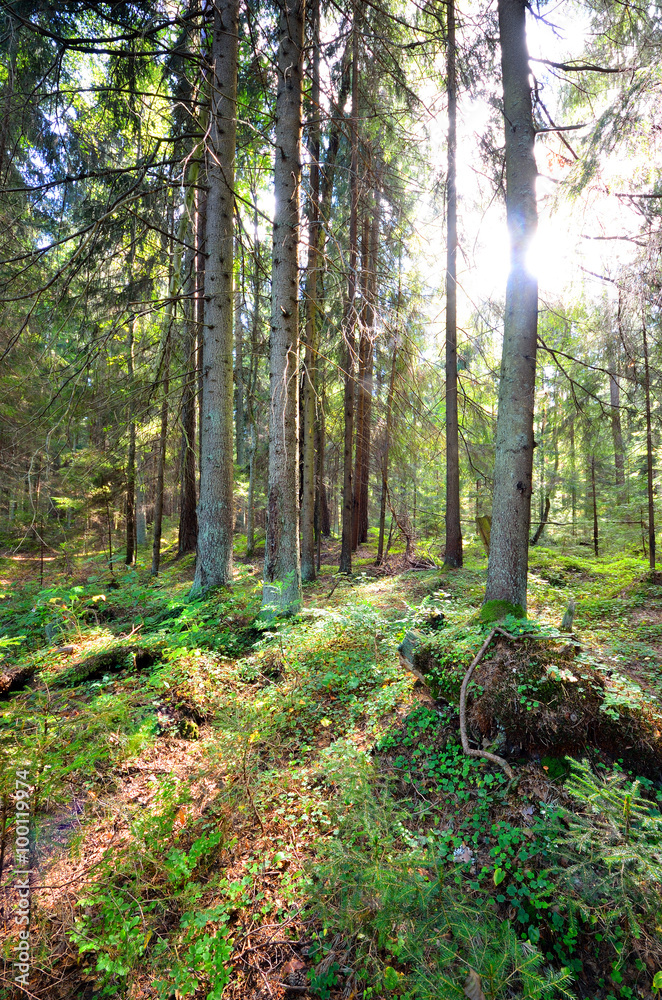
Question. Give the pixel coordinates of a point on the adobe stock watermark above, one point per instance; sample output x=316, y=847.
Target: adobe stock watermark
x=22, y=877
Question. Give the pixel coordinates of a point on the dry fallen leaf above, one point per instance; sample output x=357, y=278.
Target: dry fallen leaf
x=293, y=965
x=180, y=817
x=472, y=987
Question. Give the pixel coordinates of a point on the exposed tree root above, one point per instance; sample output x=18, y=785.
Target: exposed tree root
x=463, y=708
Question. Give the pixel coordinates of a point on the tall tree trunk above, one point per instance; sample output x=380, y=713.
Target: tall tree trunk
x=141, y=515
x=282, y=561
x=250, y=509
x=547, y=482
x=573, y=476
x=326, y=184
x=349, y=317
x=649, y=450
x=250, y=403
x=360, y=395
x=240, y=429
x=542, y=441
x=320, y=491
x=188, y=518
x=595, y=507
x=310, y=366
x=453, y=553
x=616, y=429
x=588, y=444
x=109, y=524
x=513, y=467
x=200, y=266
x=160, y=468
x=240, y=399
x=368, y=374
x=215, y=509
x=613, y=349
x=131, y=457
x=387, y=443
x=389, y=417
x=174, y=288
x=325, y=513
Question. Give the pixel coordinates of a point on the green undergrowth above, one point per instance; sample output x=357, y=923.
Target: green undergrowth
x=289, y=776
x=220, y=620
x=398, y=887
x=443, y=869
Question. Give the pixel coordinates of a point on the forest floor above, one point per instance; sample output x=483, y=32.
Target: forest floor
x=224, y=808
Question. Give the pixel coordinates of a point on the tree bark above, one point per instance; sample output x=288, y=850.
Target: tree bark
x=141, y=516
x=349, y=320
x=360, y=404
x=387, y=443
x=282, y=562
x=239, y=384
x=188, y=518
x=389, y=417
x=649, y=451
x=215, y=509
x=131, y=457
x=615, y=401
x=321, y=507
x=616, y=429
x=595, y=507
x=160, y=469
x=368, y=376
x=511, y=509
x=308, y=571
x=240, y=428
x=453, y=553
x=325, y=513
x=573, y=476
x=365, y=381
x=250, y=511
x=200, y=267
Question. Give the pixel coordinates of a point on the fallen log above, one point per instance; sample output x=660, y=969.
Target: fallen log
x=14, y=680
x=111, y=660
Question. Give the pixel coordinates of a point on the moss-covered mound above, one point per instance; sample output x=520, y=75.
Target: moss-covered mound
x=495, y=611
x=542, y=700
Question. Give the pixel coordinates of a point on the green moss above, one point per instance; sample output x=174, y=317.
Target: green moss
x=188, y=729
x=494, y=611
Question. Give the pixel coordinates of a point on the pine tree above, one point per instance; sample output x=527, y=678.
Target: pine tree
x=282, y=563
